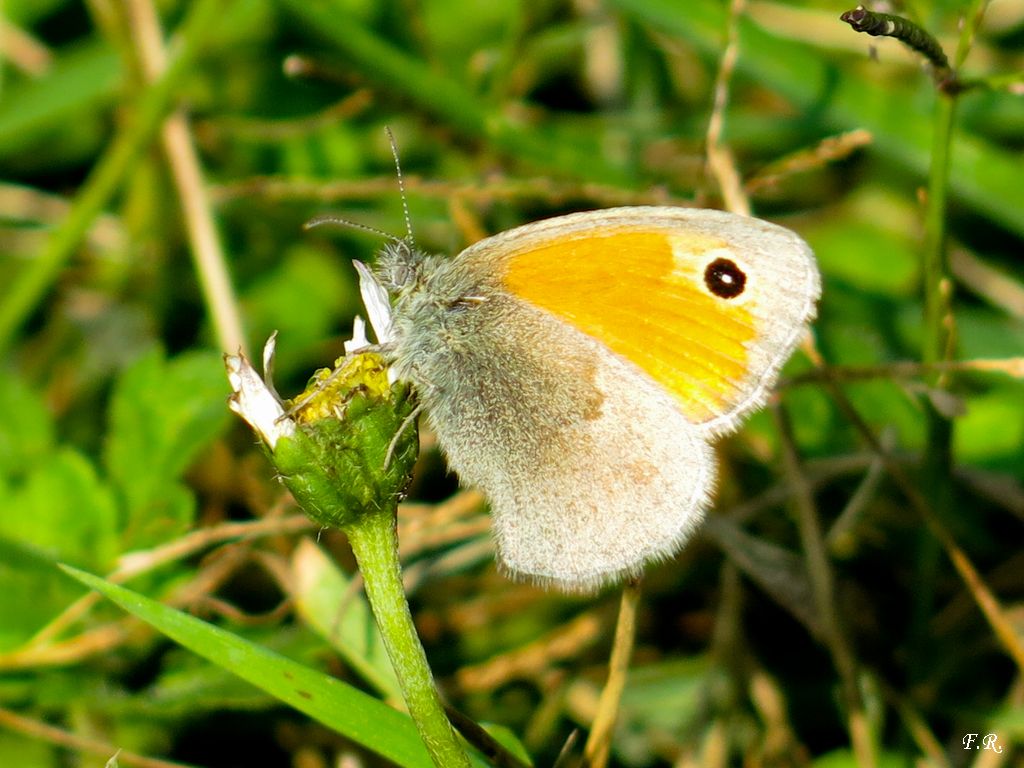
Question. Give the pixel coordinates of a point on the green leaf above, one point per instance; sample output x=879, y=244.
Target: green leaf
x=163, y=413
x=507, y=738
x=986, y=333
x=666, y=694
x=341, y=707
x=34, y=110
x=63, y=509
x=864, y=255
x=992, y=428
x=60, y=510
x=26, y=12
x=26, y=430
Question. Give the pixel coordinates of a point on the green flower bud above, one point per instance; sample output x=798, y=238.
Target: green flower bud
x=347, y=448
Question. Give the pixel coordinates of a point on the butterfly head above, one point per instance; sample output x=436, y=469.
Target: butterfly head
x=399, y=267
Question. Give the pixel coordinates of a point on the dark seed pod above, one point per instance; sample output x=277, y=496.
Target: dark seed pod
x=904, y=30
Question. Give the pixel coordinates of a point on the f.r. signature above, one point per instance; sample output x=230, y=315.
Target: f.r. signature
x=989, y=741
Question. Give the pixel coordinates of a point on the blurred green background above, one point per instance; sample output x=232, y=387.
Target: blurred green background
x=118, y=454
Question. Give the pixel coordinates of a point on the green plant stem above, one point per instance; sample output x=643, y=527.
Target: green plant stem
x=39, y=275
x=374, y=541
x=936, y=265
x=937, y=467
x=937, y=345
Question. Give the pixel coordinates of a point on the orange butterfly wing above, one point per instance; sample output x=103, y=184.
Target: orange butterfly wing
x=642, y=293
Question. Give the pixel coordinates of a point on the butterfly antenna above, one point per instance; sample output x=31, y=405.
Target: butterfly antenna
x=401, y=185
x=328, y=218
x=331, y=219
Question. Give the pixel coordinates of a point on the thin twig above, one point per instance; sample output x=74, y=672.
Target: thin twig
x=529, y=661
x=93, y=642
x=132, y=564
x=60, y=737
x=720, y=159
x=840, y=534
x=971, y=22
x=488, y=190
x=829, y=150
x=598, y=746
x=226, y=129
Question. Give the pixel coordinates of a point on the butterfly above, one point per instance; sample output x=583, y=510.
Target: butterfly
x=577, y=370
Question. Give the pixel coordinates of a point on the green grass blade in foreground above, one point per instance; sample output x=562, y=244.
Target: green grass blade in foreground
x=348, y=711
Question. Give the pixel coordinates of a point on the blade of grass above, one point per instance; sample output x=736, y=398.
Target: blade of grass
x=79, y=79
x=350, y=712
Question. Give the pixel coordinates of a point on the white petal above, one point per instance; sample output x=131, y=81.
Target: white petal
x=375, y=299
x=359, y=340
x=255, y=402
x=268, y=364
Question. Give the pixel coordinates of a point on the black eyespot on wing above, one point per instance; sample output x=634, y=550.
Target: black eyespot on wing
x=725, y=279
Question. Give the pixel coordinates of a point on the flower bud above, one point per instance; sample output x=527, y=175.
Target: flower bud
x=348, y=444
